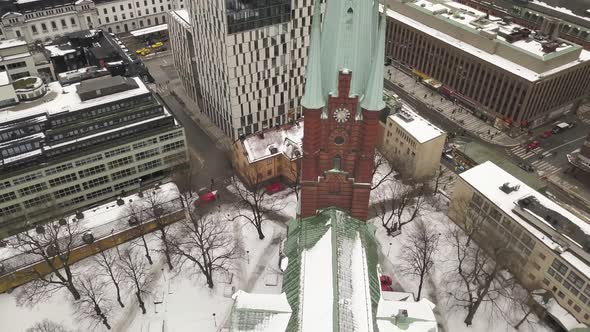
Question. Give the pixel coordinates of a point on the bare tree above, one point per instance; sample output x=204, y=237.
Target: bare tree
x=94, y=305
x=418, y=250
x=382, y=170
x=137, y=216
x=51, y=244
x=107, y=260
x=523, y=300
x=399, y=204
x=185, y=179
x=157, y=208
x=135, y=274
x=47, y=326
x=482, y=272
x=206, y=242
x=255, y=204
x=295, y=176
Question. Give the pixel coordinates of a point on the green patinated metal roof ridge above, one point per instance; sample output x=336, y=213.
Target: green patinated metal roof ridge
x=313, y=97
x=373, y=99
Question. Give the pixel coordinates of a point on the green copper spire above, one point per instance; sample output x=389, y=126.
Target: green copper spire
x=313, y=97
x=373, y=100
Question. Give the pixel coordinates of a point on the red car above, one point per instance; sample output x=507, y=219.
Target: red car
x=533, y=145
x=274, y=187
x=206, y=197
x=386, y=280
x=386, y=288
x=547, y=134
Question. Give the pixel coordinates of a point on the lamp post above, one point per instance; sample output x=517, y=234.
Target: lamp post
x=388, y=249
x=248, y=256
x=214, y=320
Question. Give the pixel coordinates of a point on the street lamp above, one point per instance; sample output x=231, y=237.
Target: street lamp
x=214, y=320
x=388, y=249
x=248, y=256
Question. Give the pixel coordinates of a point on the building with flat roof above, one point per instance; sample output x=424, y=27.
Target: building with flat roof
x=411, y=143
x=508, y=74
x=7, y=95
x=82, y=144
x=19, y=61
x=247, y=61
x=552, y=243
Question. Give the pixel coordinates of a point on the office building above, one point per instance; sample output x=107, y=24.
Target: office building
x=183, y=51
x=411, y=143
x=7, y=95
x=127, y=15
x=19, y=61
x=553, y=244
x=507, y=74
x=248, y=61
x=83, y=144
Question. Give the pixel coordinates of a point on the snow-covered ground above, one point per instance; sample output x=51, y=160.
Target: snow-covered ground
x=177, y=301
x=448, y=315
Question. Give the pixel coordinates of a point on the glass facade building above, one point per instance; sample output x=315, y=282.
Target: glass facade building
x=243, y=15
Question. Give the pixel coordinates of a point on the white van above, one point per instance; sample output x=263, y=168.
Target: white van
x=560, y=127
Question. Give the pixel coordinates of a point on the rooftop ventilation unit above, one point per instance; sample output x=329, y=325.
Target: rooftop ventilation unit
x=273, y=149
x=405, y=116
x=507, y=188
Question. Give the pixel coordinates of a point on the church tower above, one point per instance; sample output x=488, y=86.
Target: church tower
x=341, y=105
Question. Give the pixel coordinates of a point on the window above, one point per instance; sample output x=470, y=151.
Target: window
x=37, y=201
x=63, y=179
x=180, y=144
x=117, y=151
x=73, y=21
x=149, y=165
x=587, y=290
x=559, y=266
x=5, y=184
x=545, y=281
x=32, y=189
x=147, y=154
x=89, y=160
x=91, y=171
x=170, y=136
x=536, y=266
x=120, y=162
x=575, y=279
x=583, y=298
x=9, y=210
x=34, y=29
x=105, y=11
x=336, y=163
x=7, y=197
x=58, y=169
x=542, y=256
x=125, y=184
x=95, y=182
x=18, y=35
x=53, y=25
x=67, y=191
x=63, y=23
x=560, y=294
x=27, y=178
x=145, y=143
x=123, y=173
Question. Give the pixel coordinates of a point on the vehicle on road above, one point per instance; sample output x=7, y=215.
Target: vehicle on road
x=547, y=134
x=157, y=44
x=562, y=126
x=533, y=145
x=526, y=167
x=205, y=196
x=274, y=187
x=386, y=283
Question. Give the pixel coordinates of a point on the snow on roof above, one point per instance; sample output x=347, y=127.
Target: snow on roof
x=8, y=43
x=148, y=30
x=286, y=140
x=260, y=312
x=359, y=303
x=566, y=319
x=407, y=316
x=494, y=59
x=4, y=78
x=415, y=125
x=487, y=178
x=60, y=50
x=561, y=9
x=182, y=14
x=317, y=286
x=67, y=100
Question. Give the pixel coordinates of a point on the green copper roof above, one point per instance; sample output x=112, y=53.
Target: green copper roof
x=347, y=43
x=313, y=98
x=373, y=99
x=349, y=238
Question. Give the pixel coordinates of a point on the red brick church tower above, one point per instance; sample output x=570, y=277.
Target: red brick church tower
x=341, y=106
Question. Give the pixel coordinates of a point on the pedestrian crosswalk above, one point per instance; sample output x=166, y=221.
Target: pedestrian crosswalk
x=533, y=156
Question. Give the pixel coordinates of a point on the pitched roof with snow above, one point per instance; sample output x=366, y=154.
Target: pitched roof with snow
x=259, y=312
x=331, y=280
x=406, y=315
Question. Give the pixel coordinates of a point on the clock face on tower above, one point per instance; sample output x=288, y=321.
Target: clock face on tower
x=341, y=115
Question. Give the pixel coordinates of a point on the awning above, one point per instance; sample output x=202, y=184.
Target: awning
x=433, y=83
x=147, y=31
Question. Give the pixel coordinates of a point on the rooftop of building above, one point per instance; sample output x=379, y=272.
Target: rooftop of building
x=507, y=193
x=286, y=140
x=259, y=312
x=60, y=50
x=528, y=54
x=182, y=14
x=66, y=98
x=9, y=43
x=4, y=80
x=415, y=125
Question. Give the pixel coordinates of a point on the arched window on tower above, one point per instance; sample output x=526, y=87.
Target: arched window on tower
x=336, y=162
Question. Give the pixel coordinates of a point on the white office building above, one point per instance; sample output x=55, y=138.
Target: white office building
x=249, y=59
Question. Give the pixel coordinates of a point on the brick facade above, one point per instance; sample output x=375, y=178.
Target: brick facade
x=338, y=156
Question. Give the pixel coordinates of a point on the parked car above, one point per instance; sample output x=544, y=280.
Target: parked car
x=87, y=237
x=274, y=187
x=157, y=44
x=560, y=127
x=386, y=288
x=386, y=280
x=533, y=145
x=206, y=197
x=547, y=134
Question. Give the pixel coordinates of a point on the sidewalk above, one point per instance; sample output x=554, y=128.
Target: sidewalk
x=453, y=111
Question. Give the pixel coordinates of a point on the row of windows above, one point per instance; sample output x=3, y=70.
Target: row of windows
x=7, y=197
x=99, y=193
x=63, y=179
x=58, y=169
x=5, y=184
x=32, y=189
x=36, y=201
x=95, y=182
x=144, y=143
x=9, y=210
x=67, y=191
x=146, y=154
x=89, y=160
x=123, y=173
x=170, y=135
x=27, y=178
x=53, y=26
x=149, y=165
x=19, y=149
x=117, y=151
x=125, y=184
x=91, y=171
x=120, y=162
x=19, y=132
x=172, y=146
